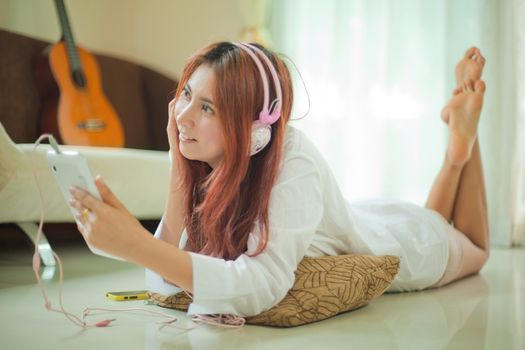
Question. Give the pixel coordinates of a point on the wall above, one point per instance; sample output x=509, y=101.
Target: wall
x=158, y=33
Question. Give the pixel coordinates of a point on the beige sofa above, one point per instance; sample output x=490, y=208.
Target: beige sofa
x=138, y=177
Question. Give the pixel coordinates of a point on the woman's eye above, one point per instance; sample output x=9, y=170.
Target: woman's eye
x=185, y=93
x=206, y=108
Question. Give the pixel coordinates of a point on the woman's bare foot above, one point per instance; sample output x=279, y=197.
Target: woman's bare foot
x=470, y=67
x=463, y=112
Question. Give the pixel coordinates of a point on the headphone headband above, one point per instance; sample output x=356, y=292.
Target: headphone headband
x=271, y=111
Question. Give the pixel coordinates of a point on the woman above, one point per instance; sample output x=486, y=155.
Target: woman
x=240, y=218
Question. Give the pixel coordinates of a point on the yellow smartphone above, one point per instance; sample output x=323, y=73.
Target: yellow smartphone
x=128, y=295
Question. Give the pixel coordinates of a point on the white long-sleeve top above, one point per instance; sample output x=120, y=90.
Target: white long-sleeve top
x=308, y=216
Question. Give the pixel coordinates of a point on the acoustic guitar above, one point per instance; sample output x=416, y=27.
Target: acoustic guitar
x=74, y=107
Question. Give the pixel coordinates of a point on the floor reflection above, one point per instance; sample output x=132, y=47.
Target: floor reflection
x=432, y=319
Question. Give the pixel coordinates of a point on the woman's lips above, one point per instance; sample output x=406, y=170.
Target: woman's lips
x=185, y=139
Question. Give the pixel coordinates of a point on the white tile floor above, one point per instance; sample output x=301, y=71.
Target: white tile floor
x=486, y=311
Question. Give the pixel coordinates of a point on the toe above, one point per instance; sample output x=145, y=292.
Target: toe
x=479, y=87
x=470, y=52
x=479, y=57
x=470, y=85
x=482, y=60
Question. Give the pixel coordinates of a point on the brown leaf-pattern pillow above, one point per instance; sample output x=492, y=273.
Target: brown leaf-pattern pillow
x=324, y=287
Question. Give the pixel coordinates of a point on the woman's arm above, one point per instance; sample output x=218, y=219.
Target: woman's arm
x=249, y=285
x=109, y=226
x=166, y=260
x=173, y=219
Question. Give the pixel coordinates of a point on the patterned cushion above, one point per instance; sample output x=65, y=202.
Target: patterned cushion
x=324, y=287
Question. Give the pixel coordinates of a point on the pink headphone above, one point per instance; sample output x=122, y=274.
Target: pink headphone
x=271, y=112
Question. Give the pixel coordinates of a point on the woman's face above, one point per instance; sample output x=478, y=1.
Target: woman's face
x=200, y=135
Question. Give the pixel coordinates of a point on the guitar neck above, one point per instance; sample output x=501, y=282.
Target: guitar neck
x=67, y=36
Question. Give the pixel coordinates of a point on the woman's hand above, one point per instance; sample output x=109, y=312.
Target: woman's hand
x=107, y=224
x=172, y=131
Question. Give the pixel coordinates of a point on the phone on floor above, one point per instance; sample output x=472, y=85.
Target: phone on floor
x=128, y=295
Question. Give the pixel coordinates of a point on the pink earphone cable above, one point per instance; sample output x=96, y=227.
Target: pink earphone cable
x=230, y=321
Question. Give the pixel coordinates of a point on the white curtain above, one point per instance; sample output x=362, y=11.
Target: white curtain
x=378, y=73
x=518, y=52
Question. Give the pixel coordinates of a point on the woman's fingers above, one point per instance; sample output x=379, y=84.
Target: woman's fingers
x=84, y=199
x=75, y=203
x=106, y=193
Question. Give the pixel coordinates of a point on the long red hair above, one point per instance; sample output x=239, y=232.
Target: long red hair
x=225, y=204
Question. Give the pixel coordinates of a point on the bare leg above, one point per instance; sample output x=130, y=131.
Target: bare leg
x=462, y=115
x=470, y=216
x=459, y=192
x=442, y=197
x=470, y=210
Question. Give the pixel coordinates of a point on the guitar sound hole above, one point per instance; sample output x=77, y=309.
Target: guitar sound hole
x=93, y=125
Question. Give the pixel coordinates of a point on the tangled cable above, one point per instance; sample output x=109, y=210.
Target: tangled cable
x=228, y=321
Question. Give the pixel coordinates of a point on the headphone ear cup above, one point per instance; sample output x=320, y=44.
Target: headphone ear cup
x=261, y=135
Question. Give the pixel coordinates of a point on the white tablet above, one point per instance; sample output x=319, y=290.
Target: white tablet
x=71, y=169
